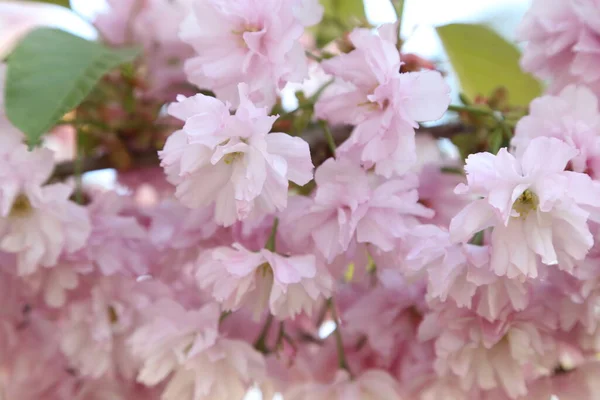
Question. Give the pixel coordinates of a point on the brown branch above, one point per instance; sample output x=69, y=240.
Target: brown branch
x=313, y=135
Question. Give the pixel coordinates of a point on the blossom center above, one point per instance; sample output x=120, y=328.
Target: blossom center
x=21, y=207
x=231, y=157
x=525, y=203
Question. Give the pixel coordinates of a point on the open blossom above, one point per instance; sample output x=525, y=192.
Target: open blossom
x=255, y=42
x=501, y=354
x=533, y=204
x=184, y=347
x=461, y=272
x=384, y=104
x=288, y=285
x=37, y=223
x=232, y=161
x=563, y=42
x=352, y=206
x=572, y=116
x=371, y=385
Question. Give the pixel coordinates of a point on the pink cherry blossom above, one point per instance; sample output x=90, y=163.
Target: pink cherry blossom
x=533, y=204
x=37, y=222
x=154, y=24
x=352, y=206
x=572, y=116
x=488, y=355
x=383, y=104
x=232, y=160
x=371, y=385
x=256, y=43
x=288, y=285
x=184, y=347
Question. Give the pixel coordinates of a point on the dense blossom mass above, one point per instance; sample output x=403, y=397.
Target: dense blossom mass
x=261, y=258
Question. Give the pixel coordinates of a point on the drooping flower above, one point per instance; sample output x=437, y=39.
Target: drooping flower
x=352, y=206
x=184, y=347
x=288, y=285
x=371, y=385
x=572, y=116
x=37, y=223
x=383, y=104
x=533, y=204
x=250, y=42
x=501, y=354
x=232, y=161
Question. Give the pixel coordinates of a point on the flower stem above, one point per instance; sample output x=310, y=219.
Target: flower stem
x=329, y=137
x=470, y=110
x=343, y=363
x=272, y=238
x=261, y=342
x=399, y=7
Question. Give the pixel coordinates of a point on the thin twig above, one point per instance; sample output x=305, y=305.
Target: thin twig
x=343, y=363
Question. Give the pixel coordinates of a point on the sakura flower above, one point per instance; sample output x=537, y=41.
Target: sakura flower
x=534, y=205
x=383, y=104
x=154, y=24
x=118, y=244
x=572, y=116
x=185, y=344
x=352, y=206
x=256, y=43
x=491, y=355
x=232, y=161
x=371, y=385
x=289, y=285
x=551, y=30
x=37, y=223
x=461, y=272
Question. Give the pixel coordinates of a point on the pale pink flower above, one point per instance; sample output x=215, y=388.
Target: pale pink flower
x=370, y=385
x=232, y=161
x=533, y=204
x=436, y=191
x=95, y=330
x=551, y=30
x=352, y=206
x=501, y=354
x=184, y=347
x=37, y=223
x=383, y=104
x=287, y=285
x=54, y=283
x=118, y=244
x=572, y=116
x=462, y=273
x=256, y=43
x=154, y=24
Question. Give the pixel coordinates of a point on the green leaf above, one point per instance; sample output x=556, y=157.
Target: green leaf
x=344, y=9
x=484, y=61
x=495, y=141
x=339, y=17
x=64, y=3
x=50, y=73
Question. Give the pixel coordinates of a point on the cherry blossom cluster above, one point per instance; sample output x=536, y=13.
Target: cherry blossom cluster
x=379, y=274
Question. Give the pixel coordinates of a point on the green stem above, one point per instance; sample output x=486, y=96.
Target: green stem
x=342, y=362
x=470, y=110
x=261, y=342
x=399, y=7
x=272, y=238
x=328, y=136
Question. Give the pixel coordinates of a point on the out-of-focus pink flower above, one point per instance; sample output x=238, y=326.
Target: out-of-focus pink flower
x=352, y=206
x=372, y=384
x=487, y=355
x=288, y=285
x=572, y=116
x=383, y=104
x=155, y=25
x=37, y=222
x=534, y=205
x=436, y=191
x=185, y=345
x=232, y=161
x=248, y=41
